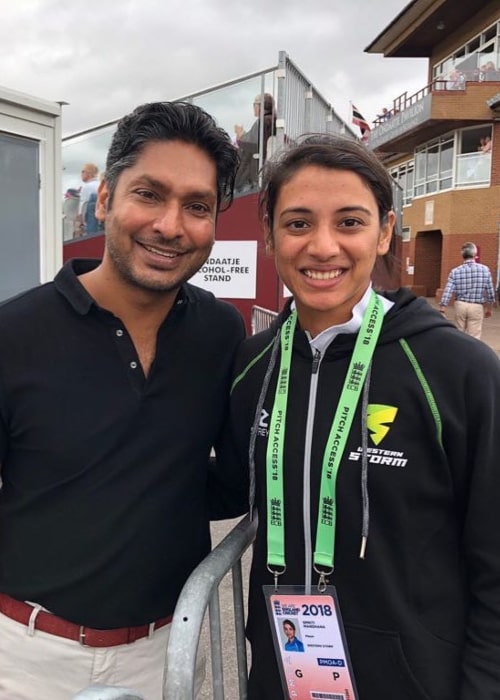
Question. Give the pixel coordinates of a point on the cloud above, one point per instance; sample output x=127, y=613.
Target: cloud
x=104, y=57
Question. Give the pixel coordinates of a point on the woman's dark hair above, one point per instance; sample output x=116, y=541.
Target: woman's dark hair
x=172, y=121
x=326, y=151
x=289, y=622
x=269, y=107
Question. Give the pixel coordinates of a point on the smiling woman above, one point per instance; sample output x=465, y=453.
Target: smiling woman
x=326, y=237
x=354, y=398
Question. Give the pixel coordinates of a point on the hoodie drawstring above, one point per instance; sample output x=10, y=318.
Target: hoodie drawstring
x=365, y=524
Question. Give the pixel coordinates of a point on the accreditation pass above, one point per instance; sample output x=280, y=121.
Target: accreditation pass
x=310, y=644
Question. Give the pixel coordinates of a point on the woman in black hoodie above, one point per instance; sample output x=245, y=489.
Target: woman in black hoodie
x=409, y=488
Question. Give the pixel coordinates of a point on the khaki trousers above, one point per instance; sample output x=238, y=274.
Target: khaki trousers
x=469, y=318
x=41, y=666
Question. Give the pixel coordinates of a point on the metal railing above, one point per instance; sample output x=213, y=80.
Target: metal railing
x=449, y=84
x=261, y=318
x=299, y=109
x=404, y=101
x=201, y=591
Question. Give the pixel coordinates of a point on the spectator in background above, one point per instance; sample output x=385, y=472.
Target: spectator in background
x=385, y=114
x=86, y=221
x=248, y=142
x=486, y=144
x=472, y=286
x=489, y=71
x=70, y=212
x=456, y=80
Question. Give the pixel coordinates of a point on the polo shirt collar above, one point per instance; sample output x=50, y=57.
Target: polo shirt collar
x=67, y=283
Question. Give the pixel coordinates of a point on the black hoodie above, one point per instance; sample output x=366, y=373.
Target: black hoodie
x=422, y=610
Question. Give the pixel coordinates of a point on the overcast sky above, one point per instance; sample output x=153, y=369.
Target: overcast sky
x=106, y=57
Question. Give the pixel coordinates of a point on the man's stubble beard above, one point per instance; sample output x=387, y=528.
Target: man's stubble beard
x=125, y=271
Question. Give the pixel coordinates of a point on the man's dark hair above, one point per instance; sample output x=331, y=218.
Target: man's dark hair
x=172, y=121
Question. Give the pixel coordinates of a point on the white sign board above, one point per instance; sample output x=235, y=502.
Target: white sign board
x=230, y=271
x=429, y=213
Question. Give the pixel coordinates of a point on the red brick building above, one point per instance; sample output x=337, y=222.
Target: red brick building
x=442, y=144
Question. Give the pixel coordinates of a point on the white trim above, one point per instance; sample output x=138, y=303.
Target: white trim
x=38, y=120
x=31, y=104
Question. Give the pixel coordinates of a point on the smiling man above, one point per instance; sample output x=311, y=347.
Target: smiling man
x=114, y=382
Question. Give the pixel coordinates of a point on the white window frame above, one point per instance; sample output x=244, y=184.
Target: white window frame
x=406, y=234
x=39, y=120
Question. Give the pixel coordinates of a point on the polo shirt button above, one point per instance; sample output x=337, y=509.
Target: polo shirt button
x=119, y=332
x=133, y=365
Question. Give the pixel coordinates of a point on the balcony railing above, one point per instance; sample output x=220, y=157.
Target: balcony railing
x=457, y=80
x=405, y=101
x=473, y=169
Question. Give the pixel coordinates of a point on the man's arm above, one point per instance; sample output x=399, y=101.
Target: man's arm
x=447, y=293
x=227, y=480
x=490, y=296
x=227, y=473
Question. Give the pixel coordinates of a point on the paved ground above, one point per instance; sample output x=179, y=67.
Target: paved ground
x=491, y=336
x=491, y=328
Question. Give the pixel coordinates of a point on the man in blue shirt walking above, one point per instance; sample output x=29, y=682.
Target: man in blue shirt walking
x=472, y=286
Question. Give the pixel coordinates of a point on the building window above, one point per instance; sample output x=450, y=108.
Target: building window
x=434, y=166
x=406, y=234
x=440, y=165
x=478, y=59
x=473, y=156
x=446, y=165
x=403, y=175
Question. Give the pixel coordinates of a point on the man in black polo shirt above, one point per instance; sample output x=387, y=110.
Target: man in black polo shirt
x=114, y=381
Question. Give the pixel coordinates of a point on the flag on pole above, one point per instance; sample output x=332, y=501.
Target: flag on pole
x=359, y=120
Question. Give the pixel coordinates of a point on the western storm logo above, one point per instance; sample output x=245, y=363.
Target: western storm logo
x=379, y=421
x=378, y=417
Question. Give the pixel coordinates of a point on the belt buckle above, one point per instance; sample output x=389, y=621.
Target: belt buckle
x=81, y=636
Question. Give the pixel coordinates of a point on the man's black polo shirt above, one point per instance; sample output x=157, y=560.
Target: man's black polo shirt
x=104, y=505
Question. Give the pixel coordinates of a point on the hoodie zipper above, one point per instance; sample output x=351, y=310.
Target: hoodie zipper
x=306, y=502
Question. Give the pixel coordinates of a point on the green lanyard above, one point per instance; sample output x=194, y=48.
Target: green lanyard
x=339, y=432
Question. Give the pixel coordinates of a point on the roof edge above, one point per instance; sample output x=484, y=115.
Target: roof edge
x=386, y=42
